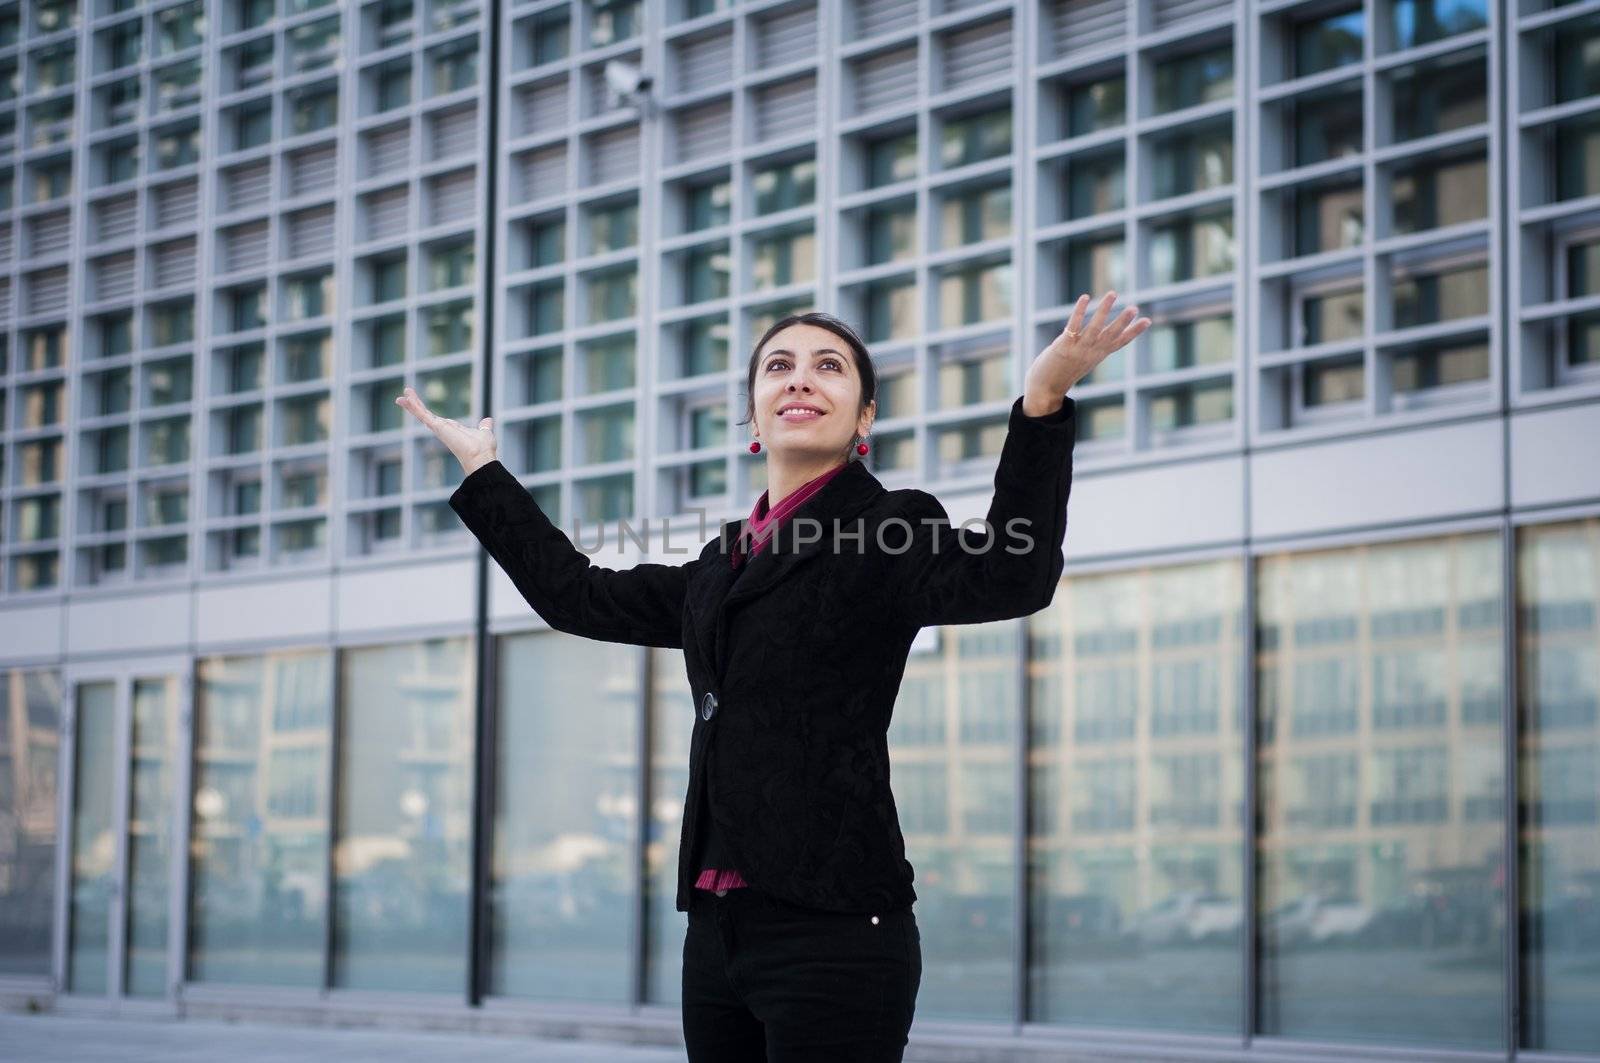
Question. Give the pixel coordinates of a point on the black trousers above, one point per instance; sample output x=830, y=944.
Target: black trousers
x=765, y=981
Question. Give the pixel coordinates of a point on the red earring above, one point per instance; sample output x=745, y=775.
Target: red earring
x=755, y=446
x=862, y=448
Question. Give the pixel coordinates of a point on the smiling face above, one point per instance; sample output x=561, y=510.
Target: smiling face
x=807, y=395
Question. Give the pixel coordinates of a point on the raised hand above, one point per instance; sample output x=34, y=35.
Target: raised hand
x=473, y=447
x=1074, y=353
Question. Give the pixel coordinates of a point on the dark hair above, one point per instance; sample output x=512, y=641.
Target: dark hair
x=858, y=349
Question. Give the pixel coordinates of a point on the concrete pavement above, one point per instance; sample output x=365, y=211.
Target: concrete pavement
x=62, y=1039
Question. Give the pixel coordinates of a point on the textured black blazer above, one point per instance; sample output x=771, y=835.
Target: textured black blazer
x=796, y=668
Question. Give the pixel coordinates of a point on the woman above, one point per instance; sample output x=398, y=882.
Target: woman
x=796, y=625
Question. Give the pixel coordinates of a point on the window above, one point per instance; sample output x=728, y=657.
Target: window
x=1438, y=365
x=308, y=296
x=1190, y=80
x=612, y=21
x=551, y=33
x=388, y=278
x=313, y=109
x=1328, y=41
x=177, y=86
x=179, y=28
x=608, y=365
x=166, y=443
x=1327, y=218
x=306, y=358
x=120, y=161
x=1097, y=105
x=305, y=419
x=171, y=323
x=1437, y=192
x=1334, y=381
x=1327, y=128
x=1188, y=342
x=388, y=341
x=1416, y=22
x=785, y=186
x=313, y=46
x=975, y=138
x=1095, y=264
x=1577, y=61
x=1191, y=248
x=969, y=294
x=612, y=294
x=449, y=328
x=1440, y=293
x=177, y=147
x=54, y=68
x=1331, y=316
x=1436, y=98
x=606, y=434
x=252, y=125
x=707, y=205
x=1191, y=406
x=44, y=349
x=891, y=159
x=1191, y=160
x=1096, y=184
x=455, y=68
x=892, y=310
x=394, y=86
x=706, y=273
x=243, y=367
x=891, y=233
x=168, y=382
x=782, y=259
x=114, y=333
x=613, y=226
x=124, y=45
x=450, y=266
x=972, y=215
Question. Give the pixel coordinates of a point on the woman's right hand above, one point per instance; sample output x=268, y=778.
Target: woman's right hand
x=473, y=447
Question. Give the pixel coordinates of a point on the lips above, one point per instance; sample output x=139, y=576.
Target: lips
x=798, y=411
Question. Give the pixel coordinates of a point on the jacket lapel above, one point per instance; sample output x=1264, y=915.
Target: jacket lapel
x=716, y=594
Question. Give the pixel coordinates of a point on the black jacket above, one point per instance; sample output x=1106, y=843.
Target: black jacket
x=795, y=670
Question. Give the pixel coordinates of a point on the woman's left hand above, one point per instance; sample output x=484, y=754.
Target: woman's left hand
x=1074, y=353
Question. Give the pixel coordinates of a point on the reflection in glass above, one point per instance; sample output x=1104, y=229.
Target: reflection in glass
x=1327, y=218
x=153, y=752
x=953, y=747
x=1558, y=579
x=1137, y=775
x=1379, y=683
x=566, y=770
x=403, y=829
x=671, y=724
x=259, y=844
x=94, y=842
x=30, y=728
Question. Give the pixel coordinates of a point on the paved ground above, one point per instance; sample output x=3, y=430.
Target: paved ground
x=57, y=1039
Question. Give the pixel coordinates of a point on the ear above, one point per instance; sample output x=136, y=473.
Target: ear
x=864, y=422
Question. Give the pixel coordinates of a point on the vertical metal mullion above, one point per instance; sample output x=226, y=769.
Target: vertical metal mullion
x=331, y=876
x=66, y=805
x=1022, y=805
x=121, y=804
x=182, y=748
x=1249, y=801
x=1503, y=40
x=480, y=924
x=638, y=933
x=1246, y=213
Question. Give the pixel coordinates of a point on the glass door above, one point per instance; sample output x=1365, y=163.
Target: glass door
x=126, y=771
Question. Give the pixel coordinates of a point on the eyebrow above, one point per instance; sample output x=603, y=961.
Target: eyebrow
x=785, y=350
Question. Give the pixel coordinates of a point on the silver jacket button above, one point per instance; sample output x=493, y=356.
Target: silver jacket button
x=874, y=920
x=708, y=706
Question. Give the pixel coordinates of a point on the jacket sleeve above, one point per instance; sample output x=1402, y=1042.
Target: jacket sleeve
x=950, y=575
x=642, y=605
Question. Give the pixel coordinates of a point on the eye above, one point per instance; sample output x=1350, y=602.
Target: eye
x=833, y=362
x=775, y=362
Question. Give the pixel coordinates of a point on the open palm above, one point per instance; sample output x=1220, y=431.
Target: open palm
x=473, y=447
x=1081, y=346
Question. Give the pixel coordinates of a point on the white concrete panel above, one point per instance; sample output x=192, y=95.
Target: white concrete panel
x=1555, y=456
x=276, y=610
x=136, y=623
x=1390, y=478
x=422, y=595
x=1163, y=508
x=30, y=632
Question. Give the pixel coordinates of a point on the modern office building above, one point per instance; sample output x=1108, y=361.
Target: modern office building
x=1304, y=756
